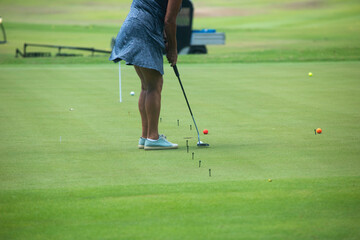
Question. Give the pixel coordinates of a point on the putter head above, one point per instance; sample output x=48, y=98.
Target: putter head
x=202, y=144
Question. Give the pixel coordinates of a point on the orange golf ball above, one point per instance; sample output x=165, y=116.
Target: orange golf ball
x=318, y=130
x=205, y=131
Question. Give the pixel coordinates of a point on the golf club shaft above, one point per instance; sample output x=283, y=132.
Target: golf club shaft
x=187, y=102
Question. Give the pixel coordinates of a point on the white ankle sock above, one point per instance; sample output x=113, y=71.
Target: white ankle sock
x=151, y=140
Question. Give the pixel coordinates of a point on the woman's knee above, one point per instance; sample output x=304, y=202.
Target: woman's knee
x=151, y=80
x=154, y=81
x=155, y=85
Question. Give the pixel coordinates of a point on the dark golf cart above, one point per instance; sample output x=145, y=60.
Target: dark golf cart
x=194, y=41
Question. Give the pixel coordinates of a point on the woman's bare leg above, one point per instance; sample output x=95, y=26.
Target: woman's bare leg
x=150, y=100
x=141, y=103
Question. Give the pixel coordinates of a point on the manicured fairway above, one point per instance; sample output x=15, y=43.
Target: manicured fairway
x=96, y=184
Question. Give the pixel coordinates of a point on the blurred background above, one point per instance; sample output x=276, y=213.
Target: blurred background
x=256, y=30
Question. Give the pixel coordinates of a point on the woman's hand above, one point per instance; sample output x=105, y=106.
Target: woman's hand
x=172, y=10
x=171, y=55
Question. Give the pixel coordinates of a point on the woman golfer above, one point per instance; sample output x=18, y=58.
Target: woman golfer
x=140, y=42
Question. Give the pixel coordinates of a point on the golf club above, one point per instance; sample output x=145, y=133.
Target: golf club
x=199, y=143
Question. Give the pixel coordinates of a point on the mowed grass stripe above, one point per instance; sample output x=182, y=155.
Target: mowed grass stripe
x=320, y=208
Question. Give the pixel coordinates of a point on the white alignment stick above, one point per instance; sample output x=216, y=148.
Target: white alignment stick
x=120, y=81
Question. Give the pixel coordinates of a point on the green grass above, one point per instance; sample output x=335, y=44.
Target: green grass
x=95, y=183
x=253, y=94
x=226, y=210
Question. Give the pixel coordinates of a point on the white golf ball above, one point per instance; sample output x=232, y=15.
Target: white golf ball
x=71, y=109
x=132, y=93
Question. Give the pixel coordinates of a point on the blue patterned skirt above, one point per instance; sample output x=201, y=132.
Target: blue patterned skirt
x=140, y=40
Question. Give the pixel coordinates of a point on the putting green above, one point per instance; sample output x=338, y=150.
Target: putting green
x=261, y=120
